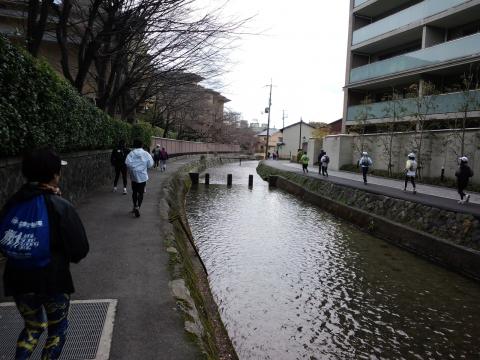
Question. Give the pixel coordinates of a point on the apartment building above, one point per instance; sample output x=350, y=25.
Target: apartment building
x=412, y=48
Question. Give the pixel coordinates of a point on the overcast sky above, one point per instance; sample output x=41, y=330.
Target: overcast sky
x=303, y=49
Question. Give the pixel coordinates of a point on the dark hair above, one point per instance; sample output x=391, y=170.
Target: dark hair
x=137, y=143
x=41, y=165
x=121, y=143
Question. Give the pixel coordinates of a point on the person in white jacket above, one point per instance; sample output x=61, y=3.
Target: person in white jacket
x=138, y=161
x=410, y=171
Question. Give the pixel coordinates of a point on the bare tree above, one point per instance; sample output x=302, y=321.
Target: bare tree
x=361, y=123
x=129, y=47
x=394, y=110
x=424, y=98
x=37, y=23
x=469, y=101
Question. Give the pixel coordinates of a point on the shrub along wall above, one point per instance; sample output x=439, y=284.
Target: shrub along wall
x=39, y=108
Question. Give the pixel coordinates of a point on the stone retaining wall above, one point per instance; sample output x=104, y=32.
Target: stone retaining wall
x=456, y=228
x=189, y=283
x=85, y=171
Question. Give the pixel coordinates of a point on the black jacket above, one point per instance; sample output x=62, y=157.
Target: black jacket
x=463, y=174
x=320, y=156
x=68, y=243
x=118, y=156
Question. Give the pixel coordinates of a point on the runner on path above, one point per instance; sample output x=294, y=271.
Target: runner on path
x=463, y=174
x=41, y=234
x=410, y=172
x=324, y=161
x=163, y=159
x=304, y=160
x=319, y=159
x=365, y=162
x=117, y=159
x=138, y=161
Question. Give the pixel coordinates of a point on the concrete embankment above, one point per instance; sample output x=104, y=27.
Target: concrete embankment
x=190, y=283
x=445, y=237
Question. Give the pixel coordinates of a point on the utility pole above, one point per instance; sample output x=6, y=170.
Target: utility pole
x=300, y=138
x=283, y=119
x=268, y=123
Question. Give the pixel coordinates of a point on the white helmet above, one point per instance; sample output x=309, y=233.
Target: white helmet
x=411, y=156
x=364, y=153
x=463, y=159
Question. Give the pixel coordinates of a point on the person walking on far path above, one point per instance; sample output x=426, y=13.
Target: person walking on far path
x=319, y=159
x=463, y=174
x=41, y=234
x=324, y=161
x=156, y=156
x=117, y=159
x=410, y=172
x=138, y=161
x=304, y=160
x=365, y=162
x=163, y=159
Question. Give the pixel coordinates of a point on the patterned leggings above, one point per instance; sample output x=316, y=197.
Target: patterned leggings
x=40, y=313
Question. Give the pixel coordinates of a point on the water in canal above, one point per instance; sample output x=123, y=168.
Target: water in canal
x=294, y=282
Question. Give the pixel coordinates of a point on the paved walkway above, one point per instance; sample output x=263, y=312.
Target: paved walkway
x=128, y=262
x=441, y=197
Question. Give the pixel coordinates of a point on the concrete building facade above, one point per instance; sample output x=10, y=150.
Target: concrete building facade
x=408, y=49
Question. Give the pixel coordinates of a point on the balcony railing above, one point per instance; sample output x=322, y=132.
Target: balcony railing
x=403, y=18
x=438, y=104
x=359, y=2
x=468, y=46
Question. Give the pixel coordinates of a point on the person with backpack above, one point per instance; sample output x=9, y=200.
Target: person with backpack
x=324, y=161
x=138, y=161
x=40, y=235
x=117, y=159
x=410, y=172
x=156, y=156
x=365, y=162
x=304, y=160
x=163, y=159
x=463, y=174
x=319, y=159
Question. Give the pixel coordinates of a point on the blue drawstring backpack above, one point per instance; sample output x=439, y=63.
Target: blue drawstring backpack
x=25, y=234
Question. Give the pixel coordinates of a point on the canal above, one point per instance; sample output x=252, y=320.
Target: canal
x=294, y=282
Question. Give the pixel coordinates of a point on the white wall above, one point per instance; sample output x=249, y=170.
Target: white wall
x=314, y=147
x=439, y=148
x=291, y=137
x=339, y=149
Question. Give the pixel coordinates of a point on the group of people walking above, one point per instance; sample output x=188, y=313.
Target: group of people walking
x=41, y=234
x=136, y=162
x=365, y=162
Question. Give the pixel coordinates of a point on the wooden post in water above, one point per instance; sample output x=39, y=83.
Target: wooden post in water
x=194, y=177
x=250, y=181
x=240, y=161
x=207, y=179
x=229, y=180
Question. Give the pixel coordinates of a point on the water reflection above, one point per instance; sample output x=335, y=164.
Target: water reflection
x=294, y=282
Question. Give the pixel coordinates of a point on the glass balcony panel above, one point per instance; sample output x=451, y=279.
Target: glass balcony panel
x=439, y=104
x=435, y=55
x=359, y=2
x=410, y=15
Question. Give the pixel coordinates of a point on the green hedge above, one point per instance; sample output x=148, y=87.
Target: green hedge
x=39, y=108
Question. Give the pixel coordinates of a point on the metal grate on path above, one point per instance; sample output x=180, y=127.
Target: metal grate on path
x=89, y=333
